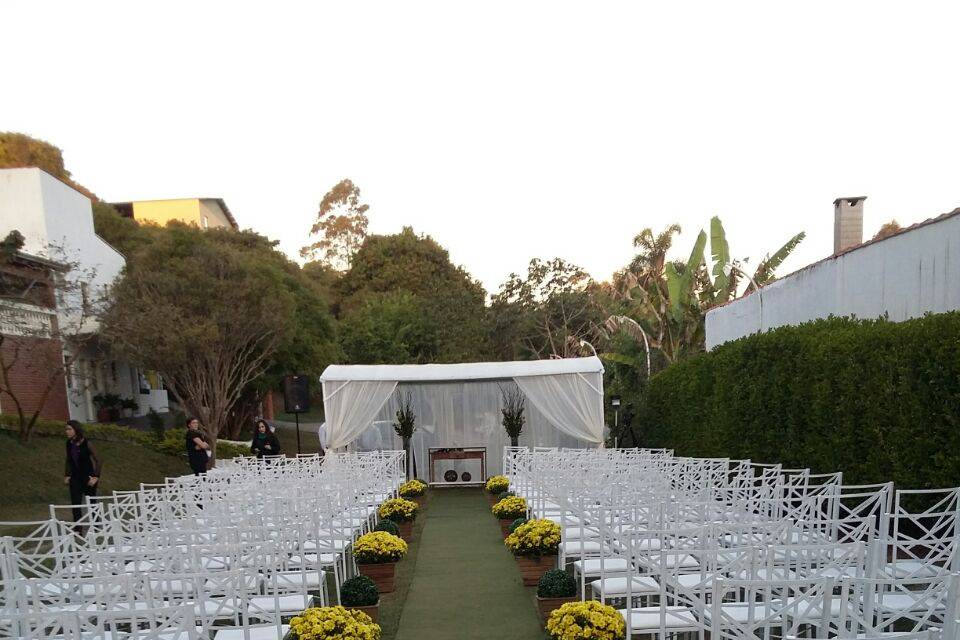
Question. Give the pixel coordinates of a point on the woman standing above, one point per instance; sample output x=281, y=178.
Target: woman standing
x=82, y=471
x=198, y=449
x=264, y=443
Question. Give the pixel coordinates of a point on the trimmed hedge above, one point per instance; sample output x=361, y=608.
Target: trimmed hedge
x=874, y=399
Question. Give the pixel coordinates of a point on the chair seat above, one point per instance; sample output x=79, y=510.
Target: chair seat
x=617, y=586
x=300, y=579
x=579, y=547
x=577, y=533
x=592, y=566
x=645, y=618
x=695, y=580
x=294, y=603
x=912, y=569
x=215, y=607
x=257, y=632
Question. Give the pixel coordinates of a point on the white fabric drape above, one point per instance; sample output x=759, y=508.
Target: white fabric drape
x=459, y=414
x=351, y=406
x=571, y=402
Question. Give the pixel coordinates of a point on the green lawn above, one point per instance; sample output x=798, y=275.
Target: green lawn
x=32, y=475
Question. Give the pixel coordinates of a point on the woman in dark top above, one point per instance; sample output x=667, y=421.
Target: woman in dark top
x=82, y=471
x=264, y=442
x=197, y=447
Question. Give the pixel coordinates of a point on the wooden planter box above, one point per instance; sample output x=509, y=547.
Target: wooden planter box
x=381, y=574
x=505, y=526
x=406, y=530
x=546, y=605
x=421, y=501
x=373, y=610
x=532, y=569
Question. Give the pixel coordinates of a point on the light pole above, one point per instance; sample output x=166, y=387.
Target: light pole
x=615, y=403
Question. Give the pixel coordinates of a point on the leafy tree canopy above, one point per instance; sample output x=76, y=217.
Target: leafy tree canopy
x=20, y=150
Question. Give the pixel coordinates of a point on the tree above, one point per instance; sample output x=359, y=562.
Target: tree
x=342, y=223
x=388, y=328
x=44, y=346
x=547, y=313
x=450, y=301
x=888, y=229
x=20, y=150
x=124, y=234
x=214, y=311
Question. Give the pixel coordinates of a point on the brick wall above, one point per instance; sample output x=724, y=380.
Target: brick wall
x=29, y=376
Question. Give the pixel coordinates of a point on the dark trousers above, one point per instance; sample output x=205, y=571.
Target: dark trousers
x=78, y=489
x=198, y=466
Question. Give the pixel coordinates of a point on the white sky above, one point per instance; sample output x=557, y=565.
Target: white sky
x=504, y=130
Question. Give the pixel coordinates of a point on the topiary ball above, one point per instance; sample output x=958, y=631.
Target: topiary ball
x=389, y=526
x=359, y=592
x=556, y=583
x=516, y=523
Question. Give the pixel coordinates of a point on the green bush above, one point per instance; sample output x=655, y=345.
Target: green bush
x=556, y=583
x=389, y=526
x=505, y=494
x=359, y=592
x=874, y=399
x=516, y=523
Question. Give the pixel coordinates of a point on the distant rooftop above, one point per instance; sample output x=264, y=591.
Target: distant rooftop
x=126, y=208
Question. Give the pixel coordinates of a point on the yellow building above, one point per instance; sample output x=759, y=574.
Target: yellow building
x=203, y=212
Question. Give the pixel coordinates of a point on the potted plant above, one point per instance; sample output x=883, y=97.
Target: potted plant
x=582, y=620
x=128, y=406
x=512, y=412
x=556, y=588
x=414, y=490
x=377, y=554
x=516, y=523
x=496, y=485
x=508, y=510
x=360, y=592
x=389, y=526
x=403, y=512
x=405, y=426
x=534, y=545
x=321, y=623
x=108, y=406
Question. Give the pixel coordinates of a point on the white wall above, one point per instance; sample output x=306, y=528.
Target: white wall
x=903, y=276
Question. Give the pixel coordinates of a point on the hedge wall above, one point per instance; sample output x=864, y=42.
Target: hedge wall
x=877, y=400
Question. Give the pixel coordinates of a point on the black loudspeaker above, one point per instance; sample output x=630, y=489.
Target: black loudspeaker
x=296, y=394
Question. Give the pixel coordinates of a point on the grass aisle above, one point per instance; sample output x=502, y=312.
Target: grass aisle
x=465, y=583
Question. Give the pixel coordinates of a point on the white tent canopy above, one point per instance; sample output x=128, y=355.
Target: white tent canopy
x=458, y=405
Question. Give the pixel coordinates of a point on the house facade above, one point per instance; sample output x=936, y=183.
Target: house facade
x=56, y=222
x=206, y=213
x=904, y=275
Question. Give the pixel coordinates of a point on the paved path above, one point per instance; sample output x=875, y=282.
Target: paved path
x=466, y=585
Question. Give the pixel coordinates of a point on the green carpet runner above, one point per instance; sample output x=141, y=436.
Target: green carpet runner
x=465, y=583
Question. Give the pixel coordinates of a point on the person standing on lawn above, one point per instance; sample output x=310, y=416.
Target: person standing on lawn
x=198, y=449
x=264, y=442
x=82, y=471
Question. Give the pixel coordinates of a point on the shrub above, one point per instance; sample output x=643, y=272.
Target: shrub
x=412, y=489
x=497, y=484
x=389, y=526
x=556, y=583
x=874, y=399
x=510, y=508
x=320, y=623
x=534, y=538
x=583, y=620
x=379, y=547
x=516, y=523
x=505, y=494
x=156, y=424
x=398, y=510
x=360, y=591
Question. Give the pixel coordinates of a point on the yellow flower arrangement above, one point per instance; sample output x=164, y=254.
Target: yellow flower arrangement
x=497, y=484
x=378, y=547
x=534, y=538
x=412, y=488
x=398, y=510
x=334, y=623
x=510, y=508
x=583, y=620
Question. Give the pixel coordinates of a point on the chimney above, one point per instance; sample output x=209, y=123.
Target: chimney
x=847, y=223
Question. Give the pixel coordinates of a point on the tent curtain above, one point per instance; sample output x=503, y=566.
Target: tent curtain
x=571, y=402
x=351, y=406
